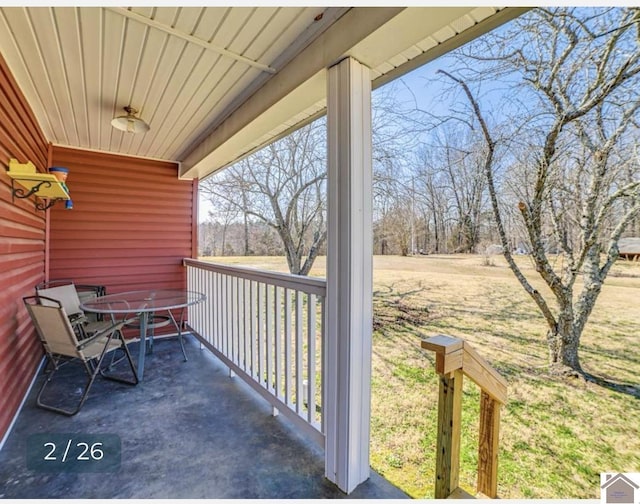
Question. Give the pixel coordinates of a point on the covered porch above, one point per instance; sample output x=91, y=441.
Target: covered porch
x=215, y=84
x=188, y=431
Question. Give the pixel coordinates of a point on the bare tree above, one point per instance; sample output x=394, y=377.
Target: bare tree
x=431, y=195
x=462, y=167
x=282, y=186
x=580, y=69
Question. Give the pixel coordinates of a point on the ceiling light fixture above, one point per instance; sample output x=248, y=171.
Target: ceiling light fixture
x=130, y=123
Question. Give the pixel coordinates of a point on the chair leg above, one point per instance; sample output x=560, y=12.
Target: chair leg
x=127, y=354
x=56, y=409
x=92, y=370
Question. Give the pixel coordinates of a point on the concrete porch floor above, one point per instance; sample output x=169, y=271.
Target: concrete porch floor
x=187, y=431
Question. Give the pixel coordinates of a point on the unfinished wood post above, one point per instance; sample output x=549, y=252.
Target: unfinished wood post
x=448, y=446
x=488, y=446
x=454, y=359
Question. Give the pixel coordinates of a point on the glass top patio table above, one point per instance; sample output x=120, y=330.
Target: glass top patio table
x=144, y=303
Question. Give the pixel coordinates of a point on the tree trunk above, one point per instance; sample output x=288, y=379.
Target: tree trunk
x=563, y=342
x=224, y=239
x=246, y=234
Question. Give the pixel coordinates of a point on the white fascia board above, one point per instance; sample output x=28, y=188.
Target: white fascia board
x=407, y=28
x=215, y=154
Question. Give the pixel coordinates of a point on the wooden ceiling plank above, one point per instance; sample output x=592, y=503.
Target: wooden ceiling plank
x=26, y=64
x=135, y=38
x=46, y=32
x=188, y=19
x=234, y=21
x=288, y=24
x=111, y=58
x=173, y=92
x=91, y=35
x=170, y=57
x=14, y=58
x=69, y=35
x=210, y=23
x=151, y=68
x=204, y=92
x=237, y=76
x=254, y=26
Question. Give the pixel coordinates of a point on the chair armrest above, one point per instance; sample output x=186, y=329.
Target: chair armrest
x=99, y=290
x=77, y=318
x=109, y=330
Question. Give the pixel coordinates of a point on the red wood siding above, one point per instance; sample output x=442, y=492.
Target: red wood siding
x=131, y=224
x=22, y=248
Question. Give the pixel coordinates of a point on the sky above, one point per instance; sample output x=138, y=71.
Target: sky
x=423, y=83
x=426, y=87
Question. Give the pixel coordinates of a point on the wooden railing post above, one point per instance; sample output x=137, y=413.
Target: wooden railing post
x=488, y=446
x=448, y=445
x=454, y=359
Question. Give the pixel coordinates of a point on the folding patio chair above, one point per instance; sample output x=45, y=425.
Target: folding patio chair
x=62, y=345
x=68, y=294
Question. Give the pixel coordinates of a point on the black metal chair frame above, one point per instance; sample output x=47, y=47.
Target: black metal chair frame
x=83, y=325
x=92, y=365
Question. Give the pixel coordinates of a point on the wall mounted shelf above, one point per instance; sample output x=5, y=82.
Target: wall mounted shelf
x=44, y=186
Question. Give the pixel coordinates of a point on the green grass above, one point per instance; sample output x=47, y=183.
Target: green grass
x=556, y=436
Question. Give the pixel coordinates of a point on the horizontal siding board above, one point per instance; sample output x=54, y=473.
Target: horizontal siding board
x=124, y=207
x=126, y=236
x=131, y=224
x=102, y=249
x=126, y=284
x=123, y=194
x=10, y=246
x=14, y=141
x=142, y=260
x=27, y=275
x=20, y=348
x=24, y=363
x=10, y=262
x=78, y=253
x=125, y=271
x=20, y=215
x=19, y=230
x=14, y=94
x=19, y=206
x=89, y=214
x=21, y=248
x=26, y=142
x=167, y=228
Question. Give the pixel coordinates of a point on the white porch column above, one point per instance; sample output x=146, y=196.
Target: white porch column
x=349, y=275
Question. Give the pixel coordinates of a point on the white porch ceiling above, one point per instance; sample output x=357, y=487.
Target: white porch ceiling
x=213, y=83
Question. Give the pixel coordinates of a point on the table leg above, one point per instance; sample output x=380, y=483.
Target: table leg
x=143, y=344
x=179, y=329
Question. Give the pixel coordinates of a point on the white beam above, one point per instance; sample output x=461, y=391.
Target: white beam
x=190, y=38
x=349, y=275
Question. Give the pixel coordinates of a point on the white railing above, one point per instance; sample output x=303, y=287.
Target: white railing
x=268, y=328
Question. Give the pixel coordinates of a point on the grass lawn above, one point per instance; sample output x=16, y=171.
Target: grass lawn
x=556, y=436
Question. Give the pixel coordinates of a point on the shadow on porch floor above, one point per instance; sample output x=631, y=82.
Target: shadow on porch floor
x=187, y=431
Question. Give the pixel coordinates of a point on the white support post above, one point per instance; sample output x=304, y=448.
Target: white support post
x=347, y=399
